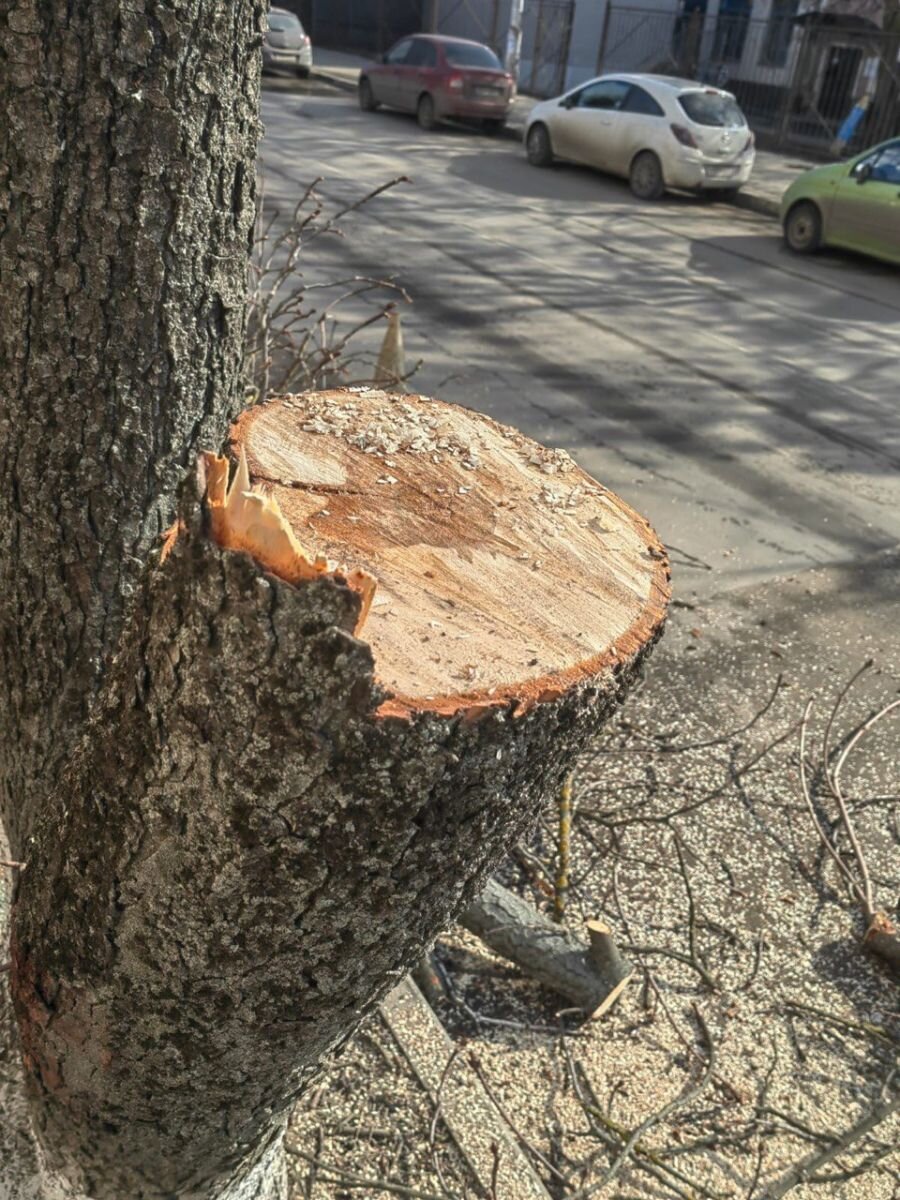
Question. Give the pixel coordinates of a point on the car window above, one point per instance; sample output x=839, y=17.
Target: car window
x=712, y=108
x=282, y=22
x=469, y=54
x=422, y=54
x=608, y=94
x=397, y=54
x=639, y=101
x=886, y=166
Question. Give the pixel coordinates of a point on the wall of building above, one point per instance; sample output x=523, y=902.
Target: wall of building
x=481, y=20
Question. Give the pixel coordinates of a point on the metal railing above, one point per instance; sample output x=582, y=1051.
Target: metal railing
x=799, y=82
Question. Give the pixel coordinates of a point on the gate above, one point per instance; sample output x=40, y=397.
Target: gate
x=546, y=36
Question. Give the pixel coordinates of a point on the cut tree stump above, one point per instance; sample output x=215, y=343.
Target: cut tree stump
x=591, y=976
x=314, y=768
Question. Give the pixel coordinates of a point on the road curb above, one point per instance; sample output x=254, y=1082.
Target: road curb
x=338, y=81
x=749, y=201
x=764, y=205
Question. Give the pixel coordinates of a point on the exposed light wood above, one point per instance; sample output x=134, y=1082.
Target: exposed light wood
x=504, y=572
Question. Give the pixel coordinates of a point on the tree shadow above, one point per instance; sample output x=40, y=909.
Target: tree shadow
x=563, y=182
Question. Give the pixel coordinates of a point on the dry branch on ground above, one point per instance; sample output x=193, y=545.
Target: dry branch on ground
x=805, y=1028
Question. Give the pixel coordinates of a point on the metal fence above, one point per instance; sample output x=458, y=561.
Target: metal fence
x=799, y=82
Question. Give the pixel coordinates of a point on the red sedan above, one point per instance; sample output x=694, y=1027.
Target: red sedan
x=437, y=77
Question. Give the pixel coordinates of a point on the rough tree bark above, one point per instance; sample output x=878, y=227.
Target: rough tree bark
x=128, y=137
x=236, y=835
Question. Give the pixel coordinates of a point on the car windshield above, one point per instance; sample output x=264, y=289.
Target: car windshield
x=282, y=22
x=468, y=54
x=712, y=108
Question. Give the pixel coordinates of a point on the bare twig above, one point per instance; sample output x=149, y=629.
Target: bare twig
x=721, y=740
x=561, y=891
x=691, y=806
x=495, y=1170
x=805, y=1171
x=667, y=1109
x=520, y=1137
x=312, y=1173
x=868, y=901
x=436, y=1116
x=696, y=959
x=347, y=1179
x=880, y=935
x=842, y=695
x=534, y=869
x=863, y=1027
x=807, y=796
x=292, y=344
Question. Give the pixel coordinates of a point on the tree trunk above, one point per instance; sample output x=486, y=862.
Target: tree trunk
x=128, y=143
x=237, y=833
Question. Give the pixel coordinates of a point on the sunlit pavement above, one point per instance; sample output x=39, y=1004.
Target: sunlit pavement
x=745, y=399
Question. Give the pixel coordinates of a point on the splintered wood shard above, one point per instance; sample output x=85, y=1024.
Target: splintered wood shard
x=507, y=577
x=243, y=518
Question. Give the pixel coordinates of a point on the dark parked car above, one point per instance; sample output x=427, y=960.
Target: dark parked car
x=437, y=77
x=285, y=43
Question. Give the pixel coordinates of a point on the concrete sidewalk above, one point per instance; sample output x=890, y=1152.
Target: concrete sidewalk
x=772, y=173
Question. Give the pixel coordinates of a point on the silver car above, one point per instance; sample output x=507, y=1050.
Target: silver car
x=656, y=131
x=286, y=44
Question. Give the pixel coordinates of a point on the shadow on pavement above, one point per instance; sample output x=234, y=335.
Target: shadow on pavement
x=513, y=175
x=841, y=274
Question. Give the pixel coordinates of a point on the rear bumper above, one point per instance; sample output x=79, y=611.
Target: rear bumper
x=469, y=108
x=288, y=58
x=695, y=173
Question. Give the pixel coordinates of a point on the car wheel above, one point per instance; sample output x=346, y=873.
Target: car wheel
x=367, y=101
x=646, y=177
x=425, y=114
x=803, y=228
x=538, y=146
x=494, y=125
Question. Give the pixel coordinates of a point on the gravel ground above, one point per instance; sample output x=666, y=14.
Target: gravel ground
x=754, y=1014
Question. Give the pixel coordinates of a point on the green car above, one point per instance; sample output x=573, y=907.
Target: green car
x=853, y=204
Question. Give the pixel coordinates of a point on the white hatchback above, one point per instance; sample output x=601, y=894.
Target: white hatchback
x=656, y=131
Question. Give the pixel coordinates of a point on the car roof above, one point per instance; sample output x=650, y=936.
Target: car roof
x=281, y=12
x=669, y=82
x=444, y=38
x=673, y=82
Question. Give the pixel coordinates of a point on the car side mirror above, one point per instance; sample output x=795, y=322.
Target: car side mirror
x=568, y=102
x=863, y=172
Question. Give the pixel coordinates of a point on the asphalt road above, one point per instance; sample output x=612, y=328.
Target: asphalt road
x=744, y=399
